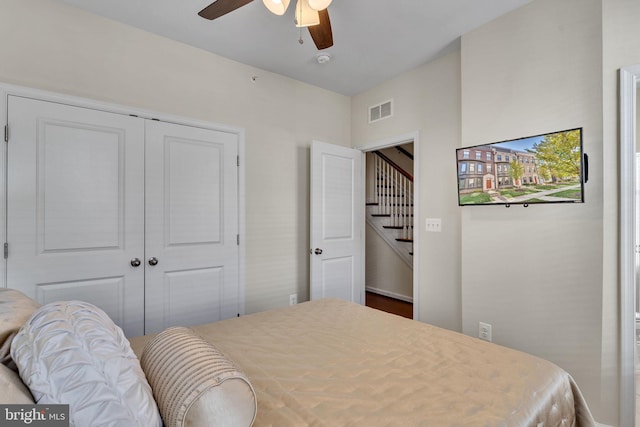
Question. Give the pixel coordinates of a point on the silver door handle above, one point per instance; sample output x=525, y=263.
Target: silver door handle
x=153, y=261
x=135, y=262
x=318, y=251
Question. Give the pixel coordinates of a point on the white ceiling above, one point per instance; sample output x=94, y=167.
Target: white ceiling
x=374, y=40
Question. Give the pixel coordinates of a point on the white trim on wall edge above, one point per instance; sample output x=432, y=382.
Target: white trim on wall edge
x=629, y=80
x=389, y=294
x=7, y=90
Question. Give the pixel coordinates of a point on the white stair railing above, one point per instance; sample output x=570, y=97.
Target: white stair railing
x=393, y=194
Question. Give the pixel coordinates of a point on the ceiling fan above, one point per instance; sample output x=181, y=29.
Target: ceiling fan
x=312, y=14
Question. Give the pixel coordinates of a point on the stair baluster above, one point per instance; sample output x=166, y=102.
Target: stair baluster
x=392, y=195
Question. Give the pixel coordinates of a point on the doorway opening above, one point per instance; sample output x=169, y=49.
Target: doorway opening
x=391, y=245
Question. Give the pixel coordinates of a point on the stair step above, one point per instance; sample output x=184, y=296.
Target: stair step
x=393, y=227
x=381, y=215
x=399, y=204
x=405, y=240
x=408, y=215
x=372, y=204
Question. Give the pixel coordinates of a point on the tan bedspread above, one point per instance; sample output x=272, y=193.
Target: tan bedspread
x=334, y=363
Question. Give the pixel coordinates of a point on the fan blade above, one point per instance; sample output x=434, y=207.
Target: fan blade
x=221, y=7
x=321, y=33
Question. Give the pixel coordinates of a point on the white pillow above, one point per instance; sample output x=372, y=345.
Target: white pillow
x=72, y=353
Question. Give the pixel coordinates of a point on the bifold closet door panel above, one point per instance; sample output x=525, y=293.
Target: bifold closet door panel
x=191, y=255
x=75, y=207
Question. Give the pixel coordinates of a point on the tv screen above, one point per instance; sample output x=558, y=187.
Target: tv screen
x=547, y=168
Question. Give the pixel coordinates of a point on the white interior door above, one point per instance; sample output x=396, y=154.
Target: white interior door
x=337, y=223
x=75, y=213
x=191, y=226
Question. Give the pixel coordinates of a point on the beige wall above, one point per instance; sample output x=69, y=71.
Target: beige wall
x=548, y=66
x=536, y=274
x=384, y=269
x=52, y=46
x=427, y=100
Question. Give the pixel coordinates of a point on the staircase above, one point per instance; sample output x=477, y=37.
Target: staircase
x=390, y=203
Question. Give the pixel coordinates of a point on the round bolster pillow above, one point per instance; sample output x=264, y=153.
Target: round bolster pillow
x=194, y=384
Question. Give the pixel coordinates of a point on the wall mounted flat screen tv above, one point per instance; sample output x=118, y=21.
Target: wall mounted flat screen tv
x=547, y=168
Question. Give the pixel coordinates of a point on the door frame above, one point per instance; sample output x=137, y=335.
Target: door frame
x=629, y=85
x=392, y=142
x=7, y=90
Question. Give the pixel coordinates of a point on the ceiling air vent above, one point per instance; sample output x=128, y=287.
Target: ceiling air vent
x=381, y=111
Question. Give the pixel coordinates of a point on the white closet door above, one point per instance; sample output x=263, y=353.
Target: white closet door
x=75, y=213
x=191, y=226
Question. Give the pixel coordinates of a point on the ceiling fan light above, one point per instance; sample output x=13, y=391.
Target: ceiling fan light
x=305, y=16
x=319, y=4
x=278, y=7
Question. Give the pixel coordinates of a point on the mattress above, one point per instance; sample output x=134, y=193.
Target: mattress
x=335, y=363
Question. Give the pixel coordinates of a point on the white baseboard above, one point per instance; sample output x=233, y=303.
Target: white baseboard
x=389, y=294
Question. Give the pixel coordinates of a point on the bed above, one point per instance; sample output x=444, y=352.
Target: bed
x=335, y=363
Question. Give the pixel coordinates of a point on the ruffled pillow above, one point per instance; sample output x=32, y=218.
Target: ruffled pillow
x=72, y=353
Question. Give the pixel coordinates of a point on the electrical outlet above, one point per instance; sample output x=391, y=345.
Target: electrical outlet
x=484, y=331
x=293, y=299
x=433, y=224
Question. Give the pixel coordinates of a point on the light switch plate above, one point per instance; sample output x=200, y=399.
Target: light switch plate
x=433, y=224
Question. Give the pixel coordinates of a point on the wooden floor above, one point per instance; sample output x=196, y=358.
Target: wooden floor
x=390, y=305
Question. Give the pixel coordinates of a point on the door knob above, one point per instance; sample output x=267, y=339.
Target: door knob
x=153, y=260
x=135, y=262
x=318, y=251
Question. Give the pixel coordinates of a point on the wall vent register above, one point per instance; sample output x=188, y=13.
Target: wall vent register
x=381, y=111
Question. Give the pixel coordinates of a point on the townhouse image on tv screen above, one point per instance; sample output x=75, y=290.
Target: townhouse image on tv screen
x=547, y=168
